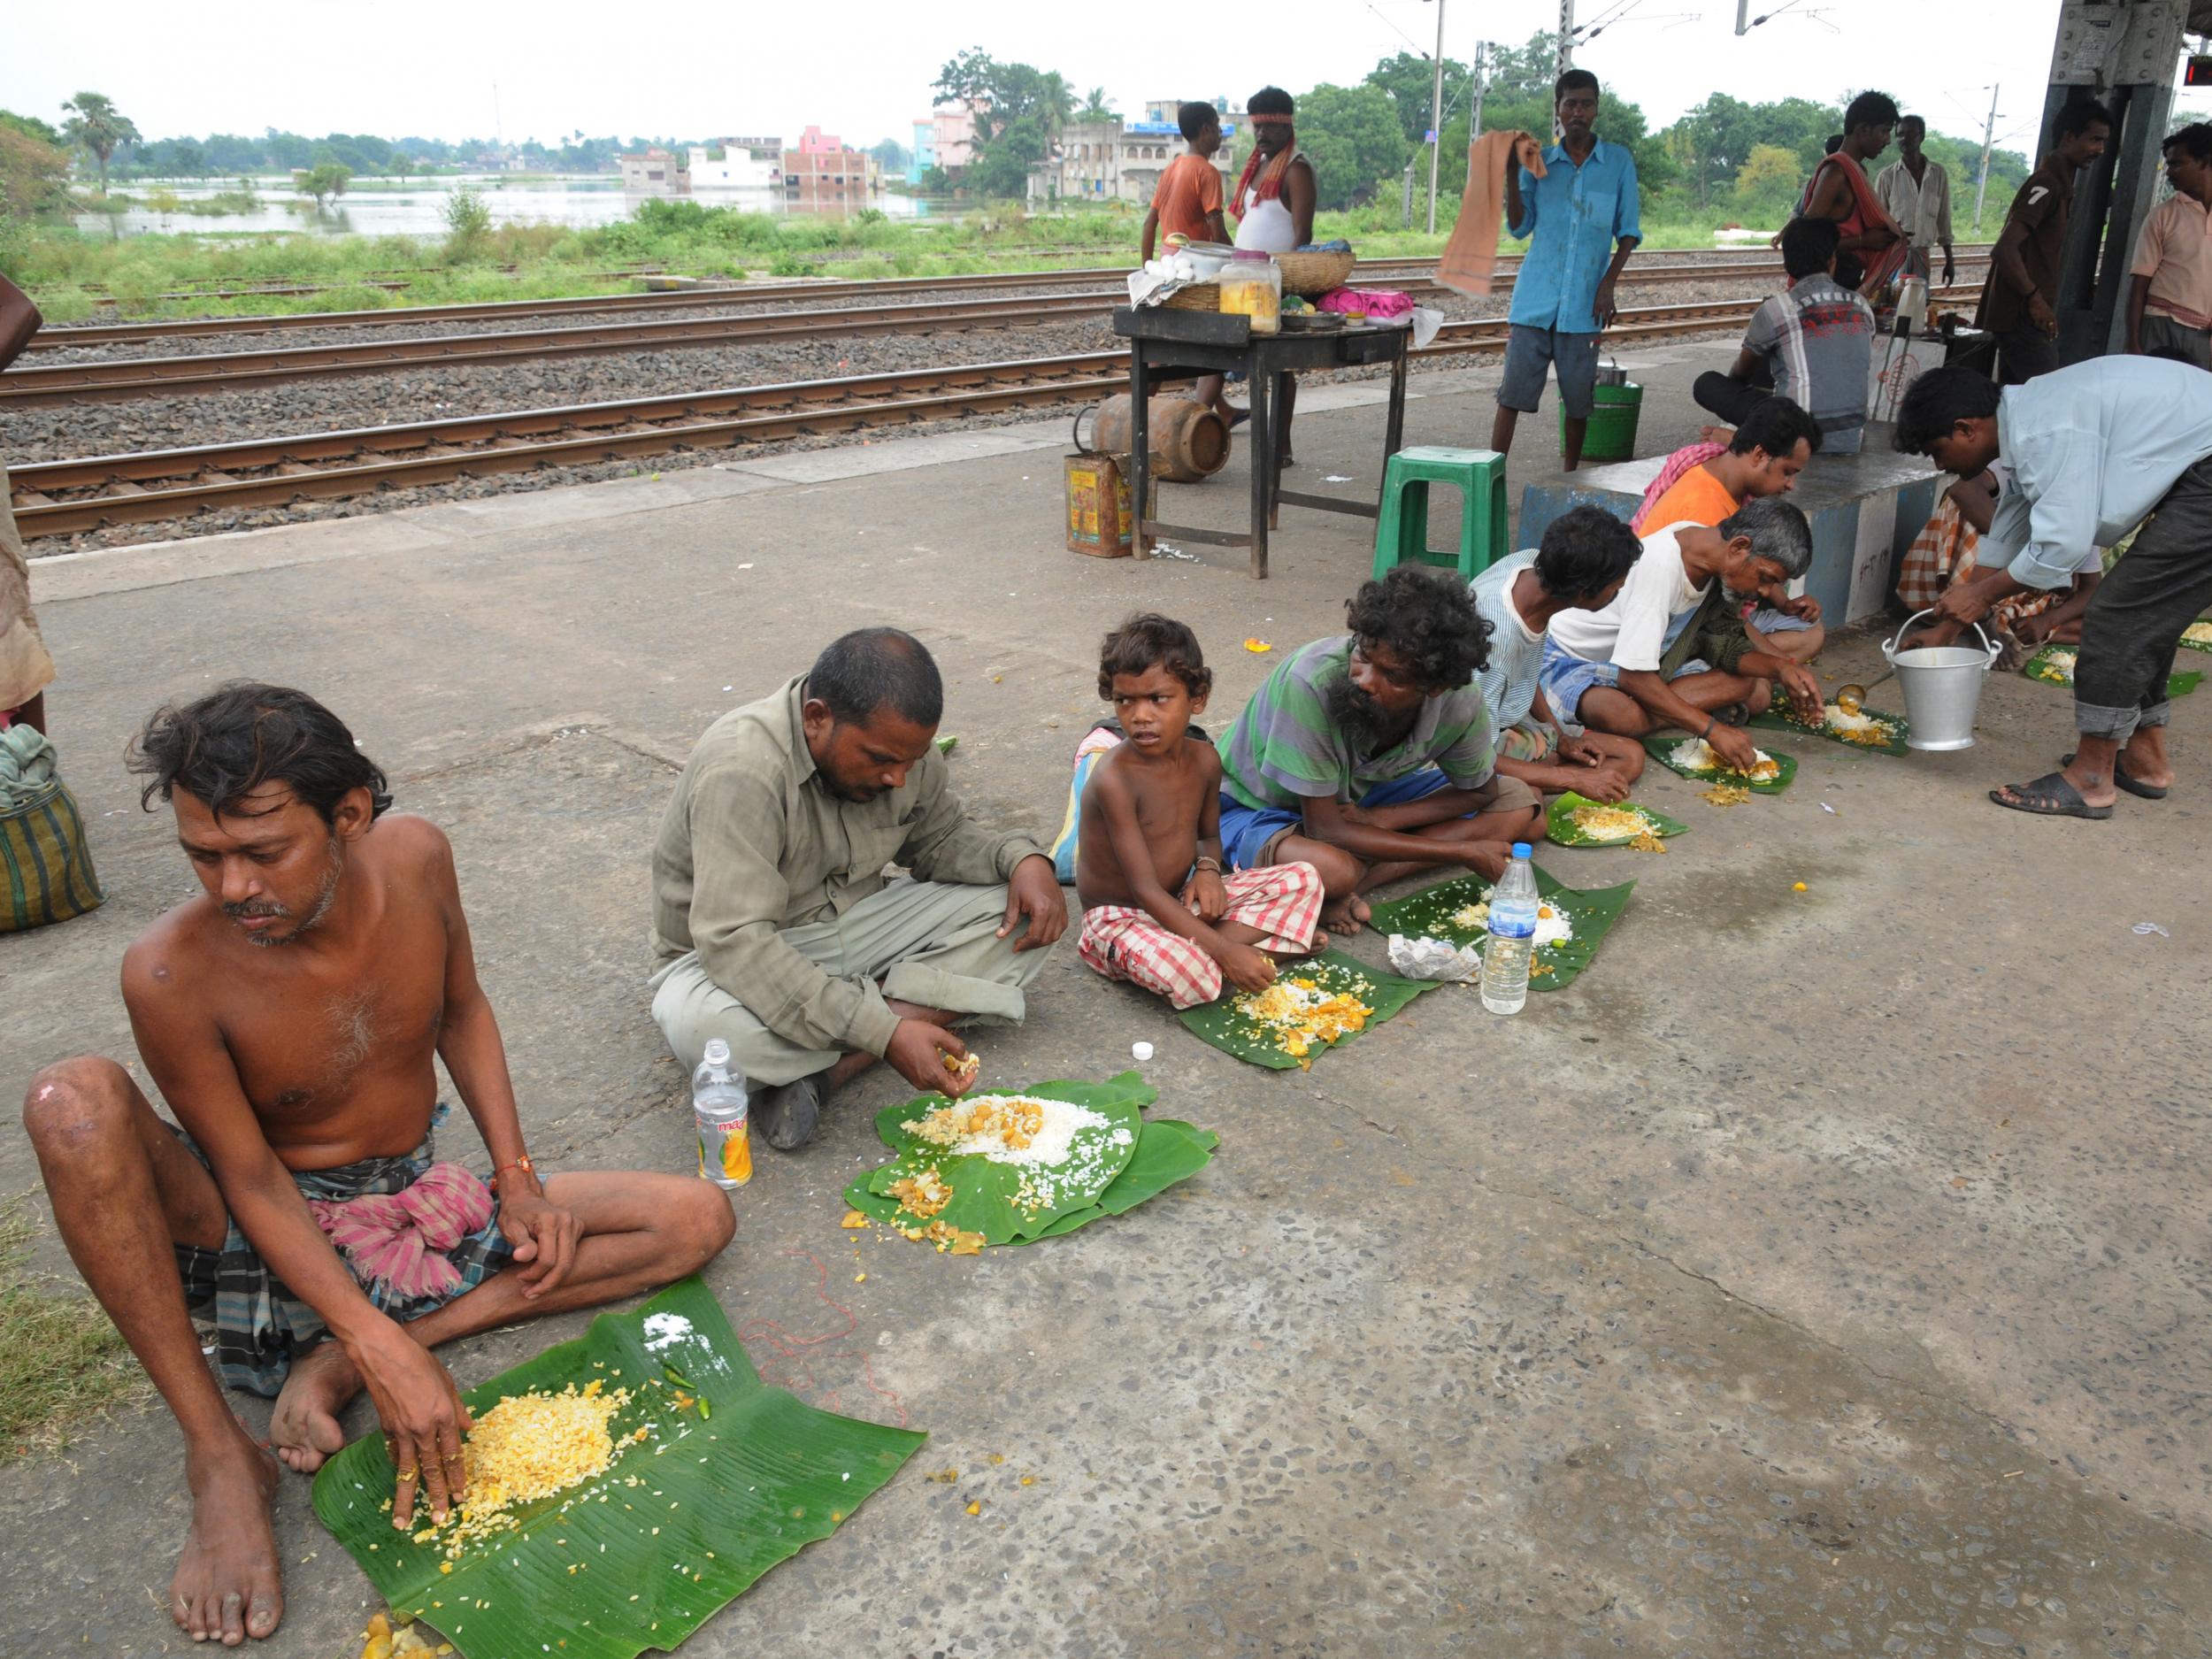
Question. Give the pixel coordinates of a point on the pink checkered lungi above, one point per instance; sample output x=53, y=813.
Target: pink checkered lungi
x=1124, y=942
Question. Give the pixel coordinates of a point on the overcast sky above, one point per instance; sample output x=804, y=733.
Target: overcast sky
x=863, y=70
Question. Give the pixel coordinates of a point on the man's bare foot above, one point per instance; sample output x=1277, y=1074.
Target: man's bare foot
x=1345, y=916
x=303, y=1429
x=228, y=1585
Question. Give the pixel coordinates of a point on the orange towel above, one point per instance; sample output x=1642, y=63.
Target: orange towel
x=1471, y=257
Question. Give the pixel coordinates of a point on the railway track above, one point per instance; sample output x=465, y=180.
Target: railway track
x=117, y=379
x=63, y=497
x=1643, y=273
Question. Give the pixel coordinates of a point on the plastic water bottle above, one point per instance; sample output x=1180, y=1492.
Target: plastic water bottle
x=1512, y=942
x=717, y=1100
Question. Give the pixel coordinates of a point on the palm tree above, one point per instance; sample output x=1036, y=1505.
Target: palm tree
x=1094, y=106
x=97, y=125
x=1056, y=100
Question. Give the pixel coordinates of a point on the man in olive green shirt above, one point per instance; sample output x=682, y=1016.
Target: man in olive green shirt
x=778, y=930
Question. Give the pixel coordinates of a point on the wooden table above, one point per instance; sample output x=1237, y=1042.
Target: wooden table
x=1207, y=342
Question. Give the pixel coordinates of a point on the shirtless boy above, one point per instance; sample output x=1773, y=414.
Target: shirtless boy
x=290, y=1014
x=1157, y=909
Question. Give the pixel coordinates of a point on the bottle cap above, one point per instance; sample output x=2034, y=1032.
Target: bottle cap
x=717, y=1052
x=1521, y=850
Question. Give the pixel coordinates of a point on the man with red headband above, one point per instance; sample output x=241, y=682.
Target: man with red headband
x=1274, y=204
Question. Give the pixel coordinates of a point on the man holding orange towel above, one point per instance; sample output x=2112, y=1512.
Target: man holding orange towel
x=1581, y=210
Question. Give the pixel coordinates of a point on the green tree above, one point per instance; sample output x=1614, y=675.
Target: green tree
x=1094, y=106
x=1352, y=136
x=31, y=127
x=892, y=155
x=1519, y=96
x=98, y=127
x=935, y=181
x=1408, y=80
x=230, y=153
x=287, y=152
x=33, y=174
x=468, y=220
x=1018, y=111
x=1712, y=141
x=325, y=180
x=1057, y=98
x=1768, y=185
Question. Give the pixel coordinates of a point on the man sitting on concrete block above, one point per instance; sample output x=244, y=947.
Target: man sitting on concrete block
x=783, y=936
x=1813, y=344
x=1671, y=650
x=1705, y=483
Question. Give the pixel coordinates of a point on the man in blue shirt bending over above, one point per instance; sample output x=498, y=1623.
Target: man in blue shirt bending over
x=1583, y=216
x=2090, y=450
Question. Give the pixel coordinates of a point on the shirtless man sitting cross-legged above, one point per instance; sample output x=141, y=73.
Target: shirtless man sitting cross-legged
x=290, y=1015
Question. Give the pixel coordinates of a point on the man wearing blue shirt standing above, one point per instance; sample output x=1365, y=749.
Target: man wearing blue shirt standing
x=2090, y=450
x=1583, y=216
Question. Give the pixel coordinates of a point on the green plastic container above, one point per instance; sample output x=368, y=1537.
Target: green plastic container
x=1612, y=433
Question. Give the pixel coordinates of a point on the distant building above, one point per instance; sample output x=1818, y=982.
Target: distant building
x=943, y=138
x=737, y=163
x=822, y=174
x=655, y=171
x=1117, y=160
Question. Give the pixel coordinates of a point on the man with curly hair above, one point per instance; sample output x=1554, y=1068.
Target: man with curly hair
x=1370, y=755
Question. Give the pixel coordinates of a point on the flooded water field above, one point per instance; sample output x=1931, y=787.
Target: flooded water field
x=380, y=207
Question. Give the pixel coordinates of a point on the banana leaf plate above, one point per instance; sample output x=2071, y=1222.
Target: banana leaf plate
x=1590, y=911
x=1780, y=717
x=2202, y=629
x=724, y=1495
x=1110, y=1170
x=1228, y=1028
x=2047, y=667
x=1662, y=749
x=1559, y=824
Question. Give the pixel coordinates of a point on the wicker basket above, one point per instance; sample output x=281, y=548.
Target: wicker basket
x=1198, y=297
x=1311, y=274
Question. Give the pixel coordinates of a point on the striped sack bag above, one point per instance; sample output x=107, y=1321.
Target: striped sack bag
x=46, y=872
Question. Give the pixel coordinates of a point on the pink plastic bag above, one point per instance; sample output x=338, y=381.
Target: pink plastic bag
x=1367, y=302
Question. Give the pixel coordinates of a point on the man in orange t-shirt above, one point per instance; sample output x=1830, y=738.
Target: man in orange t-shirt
x=1187, y=202
x=1763, y=458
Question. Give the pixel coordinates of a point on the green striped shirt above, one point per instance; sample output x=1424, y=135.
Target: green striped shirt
x=1284, y=750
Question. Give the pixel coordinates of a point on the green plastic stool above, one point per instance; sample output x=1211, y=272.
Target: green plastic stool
x=1402, y=528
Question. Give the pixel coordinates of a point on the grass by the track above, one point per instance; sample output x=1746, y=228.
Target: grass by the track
x=71, y=274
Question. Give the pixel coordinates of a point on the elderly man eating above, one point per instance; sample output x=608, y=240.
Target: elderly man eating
x=1671, y=650
x=782, y=934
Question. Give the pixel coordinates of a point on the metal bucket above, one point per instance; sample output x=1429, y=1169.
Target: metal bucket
x=1942, y=685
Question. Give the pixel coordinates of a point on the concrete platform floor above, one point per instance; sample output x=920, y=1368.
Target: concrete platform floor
x=1822, y=1272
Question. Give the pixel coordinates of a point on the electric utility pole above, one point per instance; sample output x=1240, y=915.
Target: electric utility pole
x=1981, y=190
x=1566, y=36
x=1481, y=85
x=1436, y=115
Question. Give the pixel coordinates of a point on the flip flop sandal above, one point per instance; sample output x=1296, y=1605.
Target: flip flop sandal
x=2148, y=791
x=2050, y=796
x=1237, y=416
